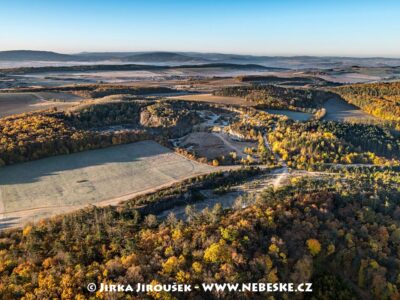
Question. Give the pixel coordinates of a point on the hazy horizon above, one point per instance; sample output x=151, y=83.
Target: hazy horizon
x=268, y=28
x=204, y=52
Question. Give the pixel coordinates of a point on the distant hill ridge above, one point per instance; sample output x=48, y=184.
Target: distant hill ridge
x=157, y=57
x=162, y=57
x=23, y=55
x=165, y=57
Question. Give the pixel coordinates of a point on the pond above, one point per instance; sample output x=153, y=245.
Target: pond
x=294, y=115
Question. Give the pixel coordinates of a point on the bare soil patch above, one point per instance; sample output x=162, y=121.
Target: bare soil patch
x=213, y=145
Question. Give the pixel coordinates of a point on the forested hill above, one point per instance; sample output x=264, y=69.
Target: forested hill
x=343, y=235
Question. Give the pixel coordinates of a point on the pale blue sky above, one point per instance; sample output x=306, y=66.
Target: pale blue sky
x=284, y=27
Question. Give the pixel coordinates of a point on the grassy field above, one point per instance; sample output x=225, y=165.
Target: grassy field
x=340, y=110
x=16, y=103
x=46, y=187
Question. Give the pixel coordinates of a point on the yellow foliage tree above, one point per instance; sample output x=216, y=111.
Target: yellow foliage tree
x=217, y=252
x=314, y=246
x=215, y=163
x=197, y=267
x=170, y=265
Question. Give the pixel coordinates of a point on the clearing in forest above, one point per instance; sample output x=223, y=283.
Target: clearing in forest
x=340, y=110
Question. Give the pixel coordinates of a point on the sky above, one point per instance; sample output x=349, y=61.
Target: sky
x=259, y=27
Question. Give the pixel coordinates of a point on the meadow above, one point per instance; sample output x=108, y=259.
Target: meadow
x=32, y=190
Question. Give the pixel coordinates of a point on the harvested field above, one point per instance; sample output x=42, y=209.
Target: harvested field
x=50, y=186
x=16, y=103
x=210, y=98
x=340, y=110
